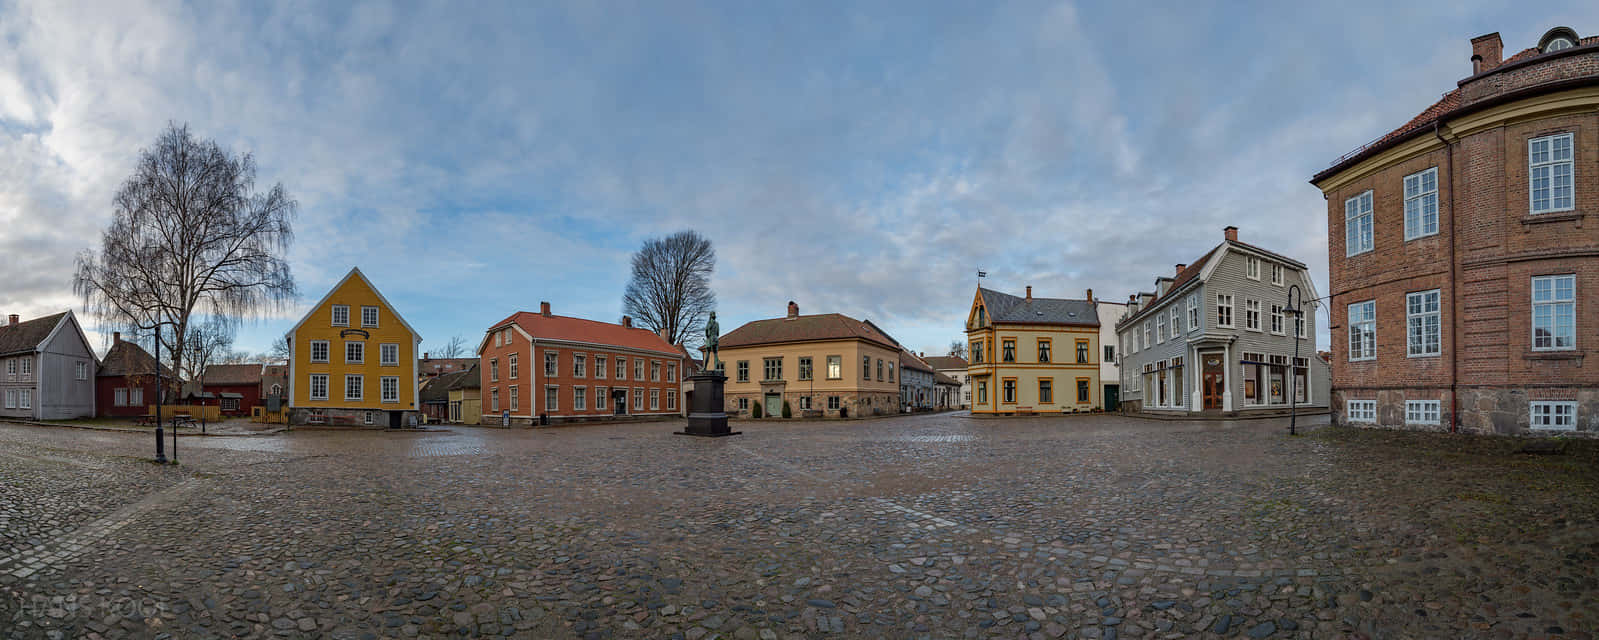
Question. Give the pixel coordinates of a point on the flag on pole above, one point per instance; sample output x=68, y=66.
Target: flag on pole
x=982, y=274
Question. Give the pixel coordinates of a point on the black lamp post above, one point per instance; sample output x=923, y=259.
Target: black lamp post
x=160, y=436
x=196, y=351
x=1297, y=312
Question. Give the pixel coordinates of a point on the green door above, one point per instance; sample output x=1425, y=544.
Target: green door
x=774, y=405
x=1113, y=394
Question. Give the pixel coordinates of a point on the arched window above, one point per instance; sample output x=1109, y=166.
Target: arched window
x=277, y=390
x=1558, y=38
x=1558, y=44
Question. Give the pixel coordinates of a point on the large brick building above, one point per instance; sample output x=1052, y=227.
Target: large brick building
x=541, y=366
x=1462, y=263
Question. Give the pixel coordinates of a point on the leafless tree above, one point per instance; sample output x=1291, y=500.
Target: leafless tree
x=455, y=348
x=957, y=349
x=211, y=342
x=671, y=286
x=279, y=353
x=189, y=235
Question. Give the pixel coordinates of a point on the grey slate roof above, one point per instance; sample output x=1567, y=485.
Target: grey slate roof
x=26, y=336
x=1008, y=309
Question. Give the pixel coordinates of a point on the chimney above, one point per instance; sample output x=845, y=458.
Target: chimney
x=1486, y=52
x=116, y=336
x=1180, y=267
x=544, y=309
x=1132, y=303
x=793, y=310
x=662, y=334
x=627, y=322
x=1029, y=292
x=425, y=356
x=15, y=319
x=1231, y=232
x=1090, y=294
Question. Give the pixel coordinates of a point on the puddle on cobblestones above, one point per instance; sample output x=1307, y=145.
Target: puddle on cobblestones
x=935, y=439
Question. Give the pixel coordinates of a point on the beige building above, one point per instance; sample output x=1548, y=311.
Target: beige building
x=827, y=365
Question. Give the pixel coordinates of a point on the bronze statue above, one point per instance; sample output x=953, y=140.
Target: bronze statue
x=712, y=331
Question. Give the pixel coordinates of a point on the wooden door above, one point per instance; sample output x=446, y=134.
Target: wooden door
x=1215, y=380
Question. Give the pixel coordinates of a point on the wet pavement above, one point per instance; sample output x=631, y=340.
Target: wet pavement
x=939, y=526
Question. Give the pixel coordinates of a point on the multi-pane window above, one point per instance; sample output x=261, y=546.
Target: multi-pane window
x=1277, y=319
x=743, y=371
x=804, y=403
x=1082, y=352
x=1110, y=353
x=1176, y=321
x=355, y=352
x=1560, y=416
x=890, y=372
x=655, y=371
x=832, y=403
x=866, y=367
x=1299, y=325
x=516, y=399
x=773, y=368
x=879, y=369
x=621, y=368
x=1554, y=309
x=319, y=350
x=580, y=399
x=1277, y=274
x=1160, y=328
x=580, y=365
x=552, y=398
x=1224, y=310
x=599, y=372
x=655, y=399
x=601, y=398
x=638, y=368
x=671, y=401
x=494, y=400
x=835, y=367
x=389, y=386
x=25, y=399
x=1363, y=330
x=1252, y=268
x=494, y=369
x=1421, y=204
x=1007, y=349
x=1193, y=311
x=120, y=397
x=82, y=370
x=1421, y=322
x=552, y=364
x=341, y=315
x=1361, y=410
x=354, y=387
x=671, y=373
x=977, y=351
x=1144, y=342
x=1421, y=411
x=1046, y=392
x=638, y=399
x=1082, y=390
x=1043, y=350
x=389, y=355
x=369, y=316
x=27, y=367
x=982, y=392
x=1010, y=391
x=1251, y=314
x=1357, y=224
x=1549, y=167
x=805, y=368
x=319, y=386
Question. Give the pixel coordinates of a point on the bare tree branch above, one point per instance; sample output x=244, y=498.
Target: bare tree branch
x=957, y=348
x=455, y=348
x=670, y=287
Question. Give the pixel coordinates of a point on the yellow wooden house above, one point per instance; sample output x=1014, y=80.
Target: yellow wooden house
x=1031, y=355
x=353, y=361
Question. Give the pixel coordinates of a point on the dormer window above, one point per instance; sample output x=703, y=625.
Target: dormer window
x=1557, y=39
x=1558, y=44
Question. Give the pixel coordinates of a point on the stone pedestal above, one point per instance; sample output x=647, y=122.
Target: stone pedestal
x=706, y=416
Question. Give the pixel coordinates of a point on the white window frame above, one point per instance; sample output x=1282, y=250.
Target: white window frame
x=1424, y=412
x=638, y=398
x=1251, y=314
x=1176, y=321
x=360, y=356
x=1277, y=274
x=552, y=363
x=621, y=368
x=339, y=309
x=27, y=367
x=389, y=354
x=313, y=383
x=580, y=398
x=1147, y=334
x=327, y=351
x=1553, y=306
x=373, y=310
x=371, y=417
x=1416, y=325
x=360, y=383
x=1160, y=328
x=602, y=398
x=1421, y=204
x=119, y=397
x=580, y=365
x=1553, y=413
x=655, y=399
x=599, y=367
x=1194, y=308
x=1252, y=268
x=1366, y=413
x=1277, y=323
x=384, y=387
x=1354, y=335
x=516, y=398
x=552, y=398
x=638, y=369
x=81, y=370
x=1552, y=164
x=1225, y=301
x=1358, y=225
x=655, y=371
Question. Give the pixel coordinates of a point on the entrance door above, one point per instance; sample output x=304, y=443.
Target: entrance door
x=619, y=401
x=394, y=419
x=774, y=405
x=1113, y=393
x=1215, y=380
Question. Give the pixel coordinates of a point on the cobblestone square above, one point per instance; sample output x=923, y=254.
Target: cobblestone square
x=940, y=526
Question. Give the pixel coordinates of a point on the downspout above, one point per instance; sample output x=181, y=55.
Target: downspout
x=1454, y=322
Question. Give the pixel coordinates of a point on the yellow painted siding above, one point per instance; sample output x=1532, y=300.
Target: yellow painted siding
x=1026, y=372
x=851, y=351
x=355, y=293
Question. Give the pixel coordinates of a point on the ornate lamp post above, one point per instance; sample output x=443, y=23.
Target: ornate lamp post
x=196, y=352
x=1297, y=312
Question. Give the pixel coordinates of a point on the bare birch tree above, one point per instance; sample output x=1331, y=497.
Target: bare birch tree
x=189, y=235
x=670, y=287
x=455, y=348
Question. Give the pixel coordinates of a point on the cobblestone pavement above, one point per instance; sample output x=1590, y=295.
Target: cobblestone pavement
x=937, y=526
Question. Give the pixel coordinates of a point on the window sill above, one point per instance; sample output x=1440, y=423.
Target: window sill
x=1555, y=216
x=1554, y=355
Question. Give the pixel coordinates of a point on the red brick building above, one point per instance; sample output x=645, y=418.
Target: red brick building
x=125, y=384
x=235, y=387
x=1463, y=268
x=540, y=365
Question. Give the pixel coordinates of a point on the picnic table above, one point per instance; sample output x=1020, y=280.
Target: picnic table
x=183, y=419
x=146, y=420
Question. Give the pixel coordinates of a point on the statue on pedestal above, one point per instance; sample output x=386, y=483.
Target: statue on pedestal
x=712, y=332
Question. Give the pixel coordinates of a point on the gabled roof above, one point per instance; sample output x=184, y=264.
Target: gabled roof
x=28, y=335
x=229, y=374
x=945, y=363
x=939, y=378
x=436, y=389
x=129, y=359
x=1196, y=268
x=826, y=326
x=469, y=379
x=1004, y=308
x=554, y=327
x=441, y=366
x=355, y=272
x=908, y=360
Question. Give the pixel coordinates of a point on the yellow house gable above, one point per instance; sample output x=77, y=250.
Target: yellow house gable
x=353, y=350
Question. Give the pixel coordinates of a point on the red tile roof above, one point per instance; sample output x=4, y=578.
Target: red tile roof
x=227, y=374
x=826, y=326
x=554, y=327
x=441, y=366
x=944, y=363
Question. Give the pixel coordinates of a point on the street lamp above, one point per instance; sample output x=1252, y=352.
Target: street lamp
x=160, y=442
x=197, y=352
x=1296, y=312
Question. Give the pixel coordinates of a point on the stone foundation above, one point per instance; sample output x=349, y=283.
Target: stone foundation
x=1483, y=410
x=856, y=404
x=353, y=418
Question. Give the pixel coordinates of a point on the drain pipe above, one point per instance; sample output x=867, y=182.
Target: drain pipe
x=1454, y=285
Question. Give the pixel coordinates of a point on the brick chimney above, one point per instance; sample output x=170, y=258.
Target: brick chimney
x=1486, y=52
x=425, y=356
x=1090, y=294
x=662, y=334
x=116, y=336
x=1029, y=292
x=15, y=319
x=1231, y=232
x=1180, y=267
x=627, y=322
x=544, y=309
x=793, y=310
